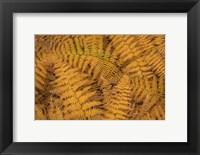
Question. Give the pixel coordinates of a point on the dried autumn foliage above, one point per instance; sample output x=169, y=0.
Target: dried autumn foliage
x=99, y=77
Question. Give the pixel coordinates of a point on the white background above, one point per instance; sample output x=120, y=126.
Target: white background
x=173, y=129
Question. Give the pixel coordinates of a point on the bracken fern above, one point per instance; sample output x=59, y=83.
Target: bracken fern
x=99, y=77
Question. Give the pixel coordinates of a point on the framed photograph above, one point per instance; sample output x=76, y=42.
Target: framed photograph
x=99, y=77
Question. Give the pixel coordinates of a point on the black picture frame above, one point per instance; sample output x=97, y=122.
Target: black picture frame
x=8, y=7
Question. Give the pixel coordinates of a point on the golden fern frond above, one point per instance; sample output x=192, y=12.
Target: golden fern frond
x=44, y=83
x=95, y=45
x=55, y=110
x=157, y=62
x=87, y=58
x=146, y=93
x=118, y=104
x=132, y=53
x=161, y=86
x=138, y=68
x=40, y=77
x=99, y=77
x=43, y=78
x=157, y=112
x=43, y=43
x=129, y=47
x=40, y=112
x=76, y=94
